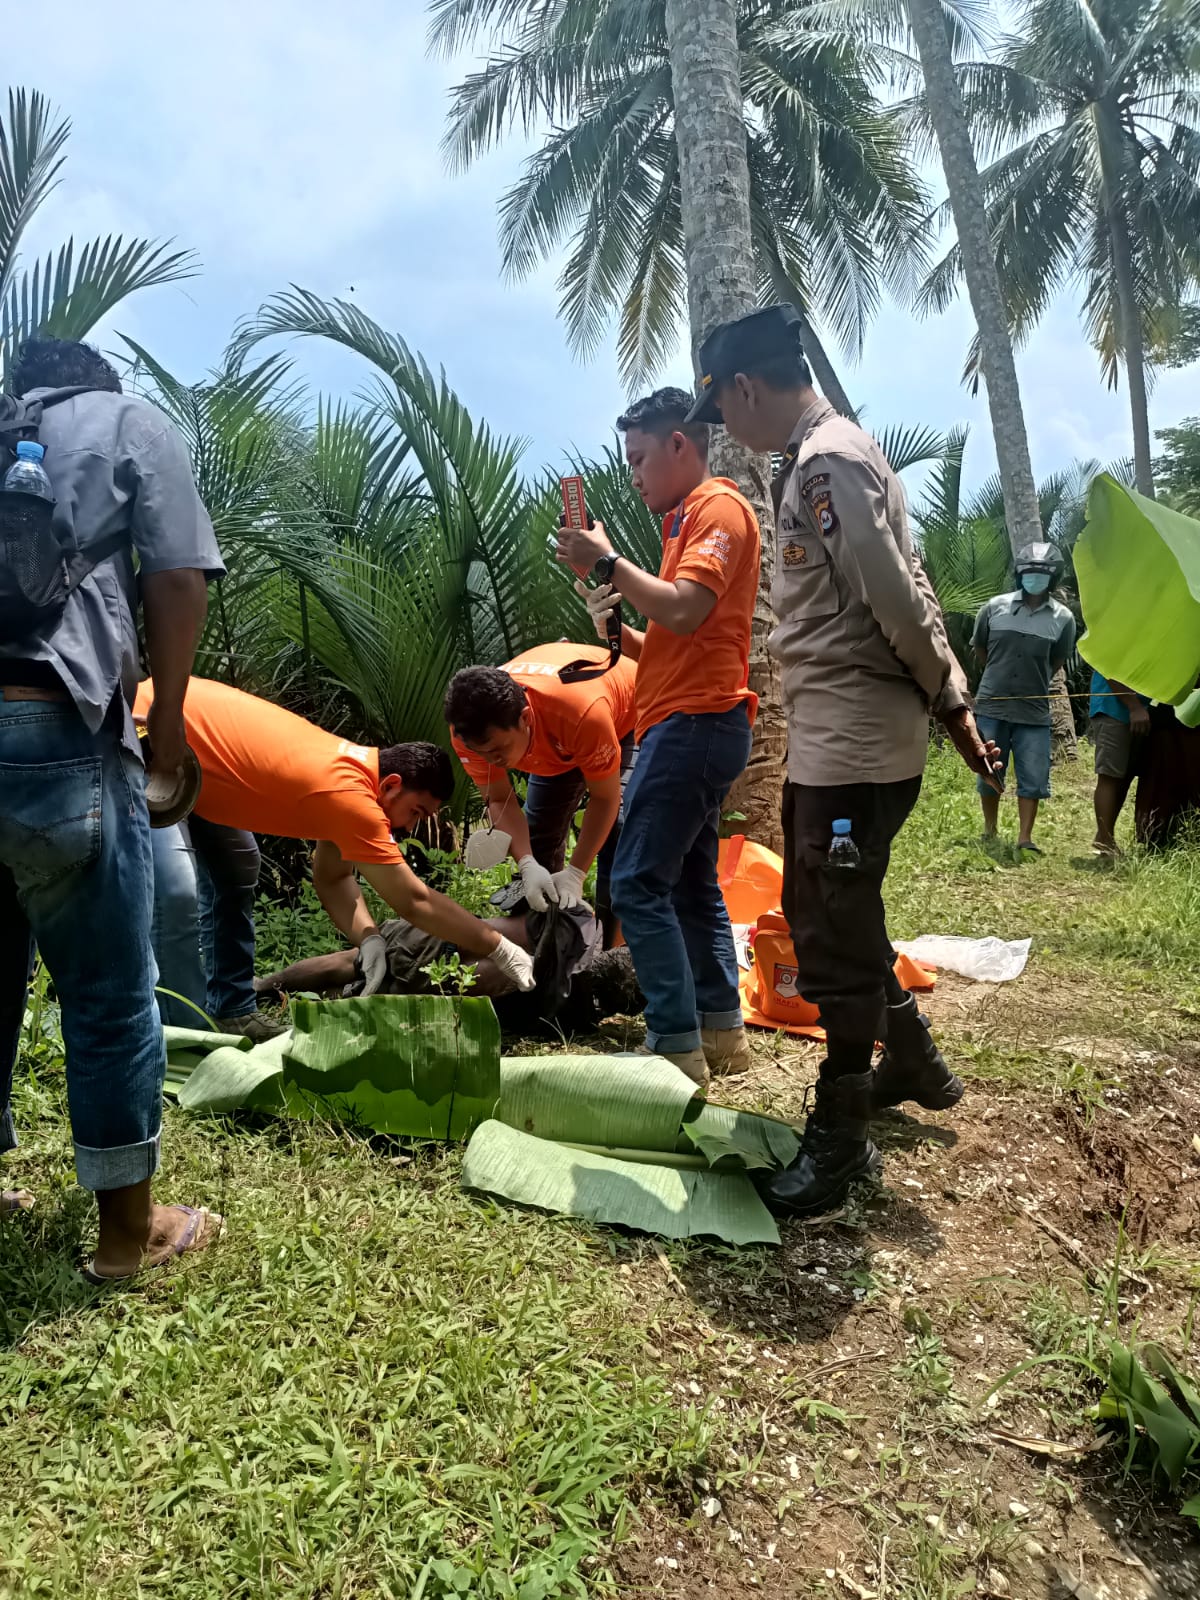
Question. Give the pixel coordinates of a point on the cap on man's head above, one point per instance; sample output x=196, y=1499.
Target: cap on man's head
x=739, y=347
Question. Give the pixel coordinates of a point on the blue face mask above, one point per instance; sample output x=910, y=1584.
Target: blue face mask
x=1035, y=582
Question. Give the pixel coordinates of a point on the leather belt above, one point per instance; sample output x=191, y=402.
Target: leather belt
x=21, y=691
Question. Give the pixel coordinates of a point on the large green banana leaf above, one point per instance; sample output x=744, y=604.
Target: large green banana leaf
x=617, y=1139
x=1138, y=566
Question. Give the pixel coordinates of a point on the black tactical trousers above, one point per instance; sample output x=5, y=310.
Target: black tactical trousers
x=844, y=957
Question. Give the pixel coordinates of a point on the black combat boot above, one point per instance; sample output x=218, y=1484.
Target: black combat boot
x=911, y=1067
x=834, y=1151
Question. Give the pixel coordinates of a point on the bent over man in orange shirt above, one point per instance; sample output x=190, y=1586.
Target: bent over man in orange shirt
x=269, y=771
x=570, y=738
x=694, y=715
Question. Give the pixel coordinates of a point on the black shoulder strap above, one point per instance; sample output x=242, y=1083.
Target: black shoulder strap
x=81, y=562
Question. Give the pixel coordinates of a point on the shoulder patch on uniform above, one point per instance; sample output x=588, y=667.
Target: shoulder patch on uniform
x=819, y=496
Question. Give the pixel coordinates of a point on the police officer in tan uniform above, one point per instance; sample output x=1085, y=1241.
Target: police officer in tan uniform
x=865, y=662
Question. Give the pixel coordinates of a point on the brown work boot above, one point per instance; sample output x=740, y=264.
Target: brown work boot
x=691, y=1063
x=254, y=1026
x=727, y=1050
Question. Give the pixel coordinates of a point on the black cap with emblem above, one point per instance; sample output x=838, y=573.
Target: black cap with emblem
x=738, y=347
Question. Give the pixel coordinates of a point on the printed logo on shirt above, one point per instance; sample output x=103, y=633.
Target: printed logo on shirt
x=532, y=669
x=794, y=555
x=715, y=545
x=820, y=499
x=605, y=754
x=356, y=752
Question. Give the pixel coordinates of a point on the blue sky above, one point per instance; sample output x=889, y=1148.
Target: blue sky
x=290, y=143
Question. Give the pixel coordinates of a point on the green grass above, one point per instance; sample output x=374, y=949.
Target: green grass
x=1134, y=923
x=372, y=1386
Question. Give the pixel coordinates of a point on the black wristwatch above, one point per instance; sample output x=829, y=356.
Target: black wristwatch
x=605, y=566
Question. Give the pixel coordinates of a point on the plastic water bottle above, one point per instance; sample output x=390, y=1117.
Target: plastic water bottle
x=843, y=852
x=27, y=474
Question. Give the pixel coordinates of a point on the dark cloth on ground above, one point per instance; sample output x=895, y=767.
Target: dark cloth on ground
x=1168, y=790
x=577, y=983
x=844, y=957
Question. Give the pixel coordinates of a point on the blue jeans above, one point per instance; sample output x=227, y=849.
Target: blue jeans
x=205, y=878
x=75, y=876
x=1029, y=746
x=664, y=884
x=550, y=807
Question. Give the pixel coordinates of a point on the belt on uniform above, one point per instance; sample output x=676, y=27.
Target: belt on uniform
x=24, y=691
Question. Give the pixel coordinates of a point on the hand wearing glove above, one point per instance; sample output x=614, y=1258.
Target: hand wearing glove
x=514, y=963
x=373, y=956
x=569, y=883
x=600, y=601
x=539, y=884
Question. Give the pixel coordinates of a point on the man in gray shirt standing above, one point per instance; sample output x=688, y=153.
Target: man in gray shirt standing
x=75, y=870
x=1022, y=639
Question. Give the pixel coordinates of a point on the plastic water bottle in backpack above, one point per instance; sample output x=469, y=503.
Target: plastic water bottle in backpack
x=27, y=475
x=843, y=852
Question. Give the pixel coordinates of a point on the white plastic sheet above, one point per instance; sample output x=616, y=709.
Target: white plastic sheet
x=986, y=960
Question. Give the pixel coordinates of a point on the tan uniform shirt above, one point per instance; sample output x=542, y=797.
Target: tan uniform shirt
x=860, y=640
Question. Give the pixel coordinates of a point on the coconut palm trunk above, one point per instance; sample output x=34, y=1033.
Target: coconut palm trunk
x=1129, y=316
x=714, y=181
x=927, y=20
x=818, y=357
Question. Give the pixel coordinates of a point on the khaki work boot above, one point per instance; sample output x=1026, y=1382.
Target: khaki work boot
x=691, y=1063
x=726, y=1050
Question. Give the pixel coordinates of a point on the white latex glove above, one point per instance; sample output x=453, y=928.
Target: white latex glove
x=514, y=963
x=373, y=954
x=569, y=883
x=600, y=601
x=539, y=884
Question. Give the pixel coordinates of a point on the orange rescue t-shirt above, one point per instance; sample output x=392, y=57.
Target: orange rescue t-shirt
x=574, y=724
x=270, y=771
x=717, y=545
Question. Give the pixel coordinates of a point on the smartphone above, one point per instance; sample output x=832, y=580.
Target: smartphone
x=574, y=511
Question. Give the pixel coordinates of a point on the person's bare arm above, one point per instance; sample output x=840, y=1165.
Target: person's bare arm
x=174, y=605
x=680, y=606
x=603, y=807
x=1139, y=717
x=505, y=812
x=333, y=971
x=337, y=887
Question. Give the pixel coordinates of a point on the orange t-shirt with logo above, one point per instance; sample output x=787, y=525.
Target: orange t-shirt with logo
x=715, y=544
x=574, y=724
x=270, y=771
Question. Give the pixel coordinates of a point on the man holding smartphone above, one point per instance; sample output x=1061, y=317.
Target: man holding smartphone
x=694, y=715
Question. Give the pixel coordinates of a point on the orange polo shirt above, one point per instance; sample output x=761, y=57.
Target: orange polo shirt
x=574, y=724
x=270, y=771
x=717, y=545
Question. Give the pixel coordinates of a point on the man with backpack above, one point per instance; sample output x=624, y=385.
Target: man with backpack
x=75, y=872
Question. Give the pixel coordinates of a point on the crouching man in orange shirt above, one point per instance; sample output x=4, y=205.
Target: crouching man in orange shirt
x=571, y=735
x=694, y=714
x=269, y=771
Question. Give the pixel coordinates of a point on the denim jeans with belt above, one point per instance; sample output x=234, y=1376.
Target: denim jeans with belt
x=550, y=807
x=75, y=876
x=664, y=884
x=205, y=879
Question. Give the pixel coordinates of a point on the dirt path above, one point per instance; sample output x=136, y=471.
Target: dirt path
x=850, y=1372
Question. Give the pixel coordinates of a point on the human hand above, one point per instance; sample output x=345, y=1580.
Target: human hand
x=600, y=601
x=581, y=548
x=539, y=884
x=1139, y=720
x=569, y=886
x=982, y=756
x=374, y=958
x=168, y=740
x=514, y=963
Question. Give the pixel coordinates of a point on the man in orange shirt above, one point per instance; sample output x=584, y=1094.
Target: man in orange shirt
x=694, y=714
x=269, y=771
x=569, y=737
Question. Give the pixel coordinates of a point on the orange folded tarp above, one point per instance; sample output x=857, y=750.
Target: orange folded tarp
x=751, y=879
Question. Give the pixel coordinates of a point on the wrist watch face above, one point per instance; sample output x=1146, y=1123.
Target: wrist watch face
x=604, y=568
